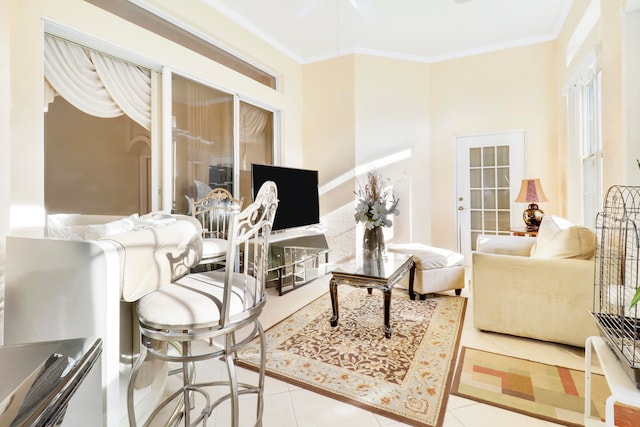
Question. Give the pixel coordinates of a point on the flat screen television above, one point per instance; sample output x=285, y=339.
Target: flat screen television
x=297, y=194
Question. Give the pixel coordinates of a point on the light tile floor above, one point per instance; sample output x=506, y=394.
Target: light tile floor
x=290, y=406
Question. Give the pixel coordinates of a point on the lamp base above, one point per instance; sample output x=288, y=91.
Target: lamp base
x=532, y=217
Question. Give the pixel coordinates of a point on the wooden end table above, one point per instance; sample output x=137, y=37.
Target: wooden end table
x=372, y=272
x=523, y=231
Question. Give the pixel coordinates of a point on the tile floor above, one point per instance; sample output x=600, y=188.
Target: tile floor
x=291, y=406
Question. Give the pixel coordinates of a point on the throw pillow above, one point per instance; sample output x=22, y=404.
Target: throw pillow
x=98, y=231
x=559, y=238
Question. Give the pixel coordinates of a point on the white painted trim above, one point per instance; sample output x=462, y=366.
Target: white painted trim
x=236, y=147
x=430, y=59
x=587, y=62
x=167, y=143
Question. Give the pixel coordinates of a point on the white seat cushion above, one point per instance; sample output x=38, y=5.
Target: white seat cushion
x=428, y=257
x=214, y=248
x=195, y=301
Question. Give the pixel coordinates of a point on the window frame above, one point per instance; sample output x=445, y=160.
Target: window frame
x=584, y=125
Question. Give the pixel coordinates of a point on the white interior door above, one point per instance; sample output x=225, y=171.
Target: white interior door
x=489, y=170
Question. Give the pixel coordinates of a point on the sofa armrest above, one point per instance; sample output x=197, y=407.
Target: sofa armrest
x=505, y=245
x=543, y=298
x=155, y=256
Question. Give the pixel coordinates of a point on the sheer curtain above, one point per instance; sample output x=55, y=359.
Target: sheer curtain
x=256, y=142
x=95, y=83
x=255, y=135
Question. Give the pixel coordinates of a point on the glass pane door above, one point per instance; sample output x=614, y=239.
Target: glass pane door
x=489, y=171
x=490, y=207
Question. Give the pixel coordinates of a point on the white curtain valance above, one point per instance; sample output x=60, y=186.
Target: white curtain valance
x=97, y=84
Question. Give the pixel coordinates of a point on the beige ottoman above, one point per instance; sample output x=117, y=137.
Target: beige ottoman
x=437, y=269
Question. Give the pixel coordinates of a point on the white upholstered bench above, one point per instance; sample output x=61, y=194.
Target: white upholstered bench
x=437, y=269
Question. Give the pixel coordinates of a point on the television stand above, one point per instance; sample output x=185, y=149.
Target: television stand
x=296, y=257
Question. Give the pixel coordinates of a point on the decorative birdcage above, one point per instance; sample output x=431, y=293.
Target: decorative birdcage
x=616, y=276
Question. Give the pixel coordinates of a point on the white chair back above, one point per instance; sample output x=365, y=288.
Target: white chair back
x=248, y=251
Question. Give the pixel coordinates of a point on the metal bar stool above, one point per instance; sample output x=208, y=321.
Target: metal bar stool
x=219, y=305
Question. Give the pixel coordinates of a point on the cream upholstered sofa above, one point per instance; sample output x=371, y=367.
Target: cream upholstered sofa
x=538, y=288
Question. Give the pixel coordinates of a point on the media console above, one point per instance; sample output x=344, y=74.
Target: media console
x=296, y=257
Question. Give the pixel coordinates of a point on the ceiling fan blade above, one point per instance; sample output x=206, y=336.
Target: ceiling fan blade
x=307, y=7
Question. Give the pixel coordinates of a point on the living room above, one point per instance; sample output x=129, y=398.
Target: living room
x=337, y=117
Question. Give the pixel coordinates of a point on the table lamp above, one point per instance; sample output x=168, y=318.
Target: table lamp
x=531, y=192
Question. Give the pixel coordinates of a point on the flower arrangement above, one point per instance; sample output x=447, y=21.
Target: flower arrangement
x=376, y=203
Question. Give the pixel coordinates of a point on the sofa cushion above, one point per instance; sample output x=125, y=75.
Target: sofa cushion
x=505, y=245
x=214, y=248
x=559, y=238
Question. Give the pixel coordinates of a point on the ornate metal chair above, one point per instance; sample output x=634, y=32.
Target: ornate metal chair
x=213, y=212
x=219, y=305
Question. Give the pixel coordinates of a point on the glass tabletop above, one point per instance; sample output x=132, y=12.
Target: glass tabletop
x=373, y=266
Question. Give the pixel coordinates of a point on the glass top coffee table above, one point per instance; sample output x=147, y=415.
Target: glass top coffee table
x=380, y=272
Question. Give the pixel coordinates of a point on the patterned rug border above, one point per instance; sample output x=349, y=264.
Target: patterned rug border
x=363, y=405
x=456, y=385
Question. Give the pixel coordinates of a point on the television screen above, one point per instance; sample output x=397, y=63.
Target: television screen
x=297, y=194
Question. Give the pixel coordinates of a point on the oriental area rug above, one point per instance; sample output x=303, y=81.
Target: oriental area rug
x=548, y=392
x=406, y=377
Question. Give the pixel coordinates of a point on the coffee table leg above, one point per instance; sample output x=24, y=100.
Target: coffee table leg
x=412, y=275
x=387, y=311
x=333, y=291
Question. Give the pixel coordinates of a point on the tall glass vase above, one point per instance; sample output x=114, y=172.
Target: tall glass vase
x=373, y=241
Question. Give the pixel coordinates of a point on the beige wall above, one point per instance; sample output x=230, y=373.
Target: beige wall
x=631, y=94
x=329, y=135
x=615, y=165
x=501, y=91
x=392, y=134
x=363, y=112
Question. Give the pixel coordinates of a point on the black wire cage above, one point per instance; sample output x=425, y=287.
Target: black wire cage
x=616, y=276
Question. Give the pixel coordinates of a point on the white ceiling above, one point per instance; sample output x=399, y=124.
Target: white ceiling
x=419, y=30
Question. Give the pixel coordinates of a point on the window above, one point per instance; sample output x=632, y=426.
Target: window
x=584, y=113
x=97, y=131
